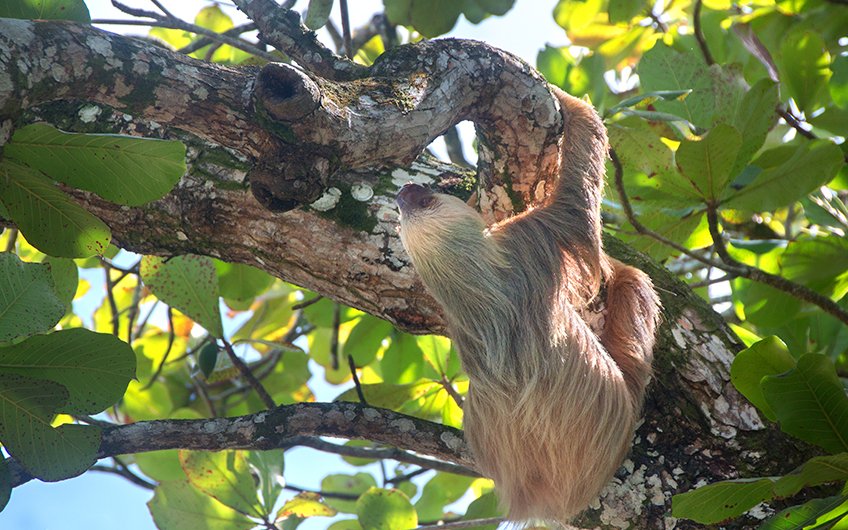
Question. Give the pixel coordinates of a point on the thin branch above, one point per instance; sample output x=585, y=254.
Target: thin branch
x=245, y=371
x=408, y=476
x=334, y=338
x=470, y=523
x=352, y=364
x=206, y=41
x=162, y=8
x=377, y=454
x=306, y=303
x=13, y=238
x=446, y=384
x=110, y=297
x=348, y=43
x=778, y=282
x=325, y=494
x=454, y=147
x=795, y=123
x=171, y=337
x=124, y=472
x=642, y=229
x=699, y=34
x=711, y=281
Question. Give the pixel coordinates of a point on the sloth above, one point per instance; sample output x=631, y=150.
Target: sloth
x=556, y=337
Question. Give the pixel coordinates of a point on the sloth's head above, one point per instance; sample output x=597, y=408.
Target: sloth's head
x=435, y=226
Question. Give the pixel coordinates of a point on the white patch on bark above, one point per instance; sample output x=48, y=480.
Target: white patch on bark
x=328, y=201
x=89, y=113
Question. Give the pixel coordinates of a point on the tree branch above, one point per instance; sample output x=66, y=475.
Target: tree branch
x=275, y=428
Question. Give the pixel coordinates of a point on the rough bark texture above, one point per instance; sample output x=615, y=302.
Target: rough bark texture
x=343, y=148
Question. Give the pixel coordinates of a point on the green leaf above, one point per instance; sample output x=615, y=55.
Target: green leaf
x=366, y=338
x=225, y=476
x=814, y=472
x=811, y=514
x=385, y=509
x=663, y=68
x=624, y=10
x=356, y=460
x=688, y=229
x=317, y=13
x=707, y=163
x=65, y=276
x=441, y=490
x=432, y=18
x=763, y=305
x=45, y=10
x=439, y=354
x=188, y=283
x=555, y=64
x=269, y=466
x=718, y=502
x=28, y=300
x=789, y=173
x=348, y=484
x=95, y=368
x=402, y=361
x=390, y=396
x=767, y=357
x=27, y=405
x=820, y=263
x=643, y=100
x=5, y=484
x=121, y=169
x=306, y=504
x=803, y=64
x=838, y=84
x=818, y=410
x=483, y=507
x=754, y=118
x=240, y=282
x=495, y=7
x=177, y=506
x=51, y=221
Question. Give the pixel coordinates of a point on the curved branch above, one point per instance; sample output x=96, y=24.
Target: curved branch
x=275, y=428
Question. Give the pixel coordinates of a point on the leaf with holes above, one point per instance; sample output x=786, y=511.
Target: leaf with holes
x=188, y=283
x=121, y=169
x=177, y=505
x=385, y=509
x=224, y=475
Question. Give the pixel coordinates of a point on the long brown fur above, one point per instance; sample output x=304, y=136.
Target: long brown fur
x=552, y=403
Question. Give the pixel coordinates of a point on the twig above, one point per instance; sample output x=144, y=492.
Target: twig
x=13, y=238
x=325, y=494
x=470, y=523
x=110, y=297
x=452, y=391
x=244, y=370
x=334, y=338
x=85, y=418
x=171, y=336
x=306, y=303
x=711, y=281
x=778, y=282
x=642, y=229
x=133, y=310
x=795, y=123
x=124, y=472
x=408, y=476
x=699, y=34
x=143, y=324
x=162, y=8
x=352, y=364
x=376, y=454
x=348, y=43
x=206, y=41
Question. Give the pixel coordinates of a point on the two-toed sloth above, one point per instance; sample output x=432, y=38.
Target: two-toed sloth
x=553, y=401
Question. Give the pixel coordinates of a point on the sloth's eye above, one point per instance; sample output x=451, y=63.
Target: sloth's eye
x=426, y=201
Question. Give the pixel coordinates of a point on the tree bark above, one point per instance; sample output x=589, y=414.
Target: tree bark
x=340, y=146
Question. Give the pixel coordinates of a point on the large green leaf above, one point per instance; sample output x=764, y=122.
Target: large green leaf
x=820, y=263
x=812, y=514
x=188, y=283
x=718, y=502
x=431, y=18
x=707, y=163
x=803, y=64
x=402, y=360
x=755, y=116
x=224, y=475
x=122, y=169
x=441, y=490
x=385, y=509
x=818, y=409
x=177, y=505
x=269, y=466
x=65, y=276
x=305, y=504
x=317, y=13
x=767, y=357
x=365, y=339
x=45, y=10
x=663, y=68
x=95, y=368
x=349, y=485
x=51, y=221
x=28, y=300
x=26, y=409
x=240, y=282
x=391, y=396
x=5, y=484
x=788, y=173
x=838, y=84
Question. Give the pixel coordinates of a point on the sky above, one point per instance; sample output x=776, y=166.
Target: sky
x=96, y=500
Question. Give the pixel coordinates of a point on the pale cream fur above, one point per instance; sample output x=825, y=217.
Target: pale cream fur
x=552, y=404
